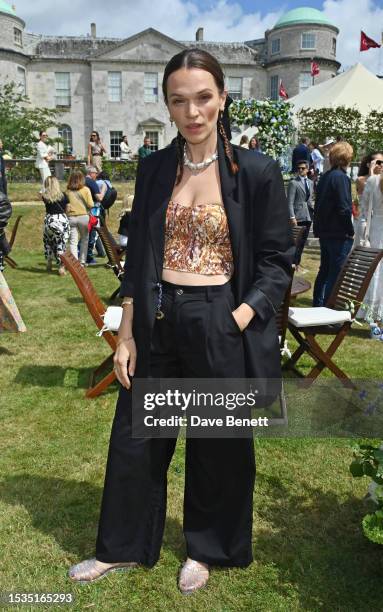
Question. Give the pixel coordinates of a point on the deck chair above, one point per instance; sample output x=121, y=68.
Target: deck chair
x=281, y=318
x=97, y=310
x=11, y=262
x=336, y=318
x=114, y=254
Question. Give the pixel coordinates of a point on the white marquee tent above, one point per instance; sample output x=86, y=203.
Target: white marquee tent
x=356, y=87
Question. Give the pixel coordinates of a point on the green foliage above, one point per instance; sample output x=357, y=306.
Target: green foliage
x=120, y=170
x=19, y=121
x=320, y=123
x=272, y=120
x=363, y=133
x=373, y=130
x=368, y=461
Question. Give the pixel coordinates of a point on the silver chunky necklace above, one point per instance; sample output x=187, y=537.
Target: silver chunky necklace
x=201, y=165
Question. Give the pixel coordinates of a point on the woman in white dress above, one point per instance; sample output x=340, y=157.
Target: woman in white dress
x=373, y=302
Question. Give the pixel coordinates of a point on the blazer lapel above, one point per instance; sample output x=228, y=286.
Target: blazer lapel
x=230, y=197
x=160, y=192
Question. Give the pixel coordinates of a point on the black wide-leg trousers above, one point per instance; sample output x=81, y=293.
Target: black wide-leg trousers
x=197, y=338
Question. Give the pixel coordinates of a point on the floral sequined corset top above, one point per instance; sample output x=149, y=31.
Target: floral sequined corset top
x=197, y=239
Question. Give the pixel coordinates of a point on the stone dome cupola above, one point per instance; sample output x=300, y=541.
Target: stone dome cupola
x=11, y=28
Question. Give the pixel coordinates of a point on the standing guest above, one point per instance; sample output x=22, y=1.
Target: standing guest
x=326, y=148
x=333, y=220
x=199, y=303
x=317, y=159
x=3, y=176
x=244, y=142
x=5, y=215
x=254, y=145
x=42, y=158
x=300, y=198
x=78, y=207
x=125, y=150
x=96, y=150
x=145, y=150
x=93, y=239
x=371, y=164
x=56, y=223
x=107, y=191
x=300, y=152
x=372, y=216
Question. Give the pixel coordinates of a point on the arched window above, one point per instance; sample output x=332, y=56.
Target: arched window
x=65, y=133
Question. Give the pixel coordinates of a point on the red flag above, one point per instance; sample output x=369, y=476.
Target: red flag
x=282, y=91
x=314, y=69
x=367, y=43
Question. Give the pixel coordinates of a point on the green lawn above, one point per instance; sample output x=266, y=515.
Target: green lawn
x=24, y=192
x=309, y=550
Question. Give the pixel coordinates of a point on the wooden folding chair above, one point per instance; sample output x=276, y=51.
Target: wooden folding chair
x=350, y=287
x=113, y=252
x=96, y=309
x=11, y=262
x=281, y=319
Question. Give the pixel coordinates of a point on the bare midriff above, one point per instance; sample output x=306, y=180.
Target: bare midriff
x=197, y=245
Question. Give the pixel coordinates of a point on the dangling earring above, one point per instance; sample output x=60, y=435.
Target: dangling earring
x=171, y=122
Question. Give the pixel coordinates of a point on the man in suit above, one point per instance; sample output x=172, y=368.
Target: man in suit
x=300, y=200
x=301, y=152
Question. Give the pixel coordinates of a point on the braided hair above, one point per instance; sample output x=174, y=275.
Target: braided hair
x=198, y=58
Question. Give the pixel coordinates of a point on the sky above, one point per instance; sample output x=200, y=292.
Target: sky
x=224, y=20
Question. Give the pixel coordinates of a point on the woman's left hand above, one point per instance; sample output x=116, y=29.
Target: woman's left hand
x=243, y=315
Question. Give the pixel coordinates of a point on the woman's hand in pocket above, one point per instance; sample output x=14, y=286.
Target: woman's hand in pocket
x=243, y=315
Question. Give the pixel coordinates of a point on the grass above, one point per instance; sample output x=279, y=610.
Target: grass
x=309, y=550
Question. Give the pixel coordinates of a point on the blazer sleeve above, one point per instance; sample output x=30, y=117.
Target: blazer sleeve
x=291, y=189
x=344, y=203
x=275, y=249
x=127, y=284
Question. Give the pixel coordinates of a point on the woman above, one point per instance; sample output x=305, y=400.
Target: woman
x=56, y=223
x=244, y=142
x=80, y=202
x=254, y=144
x=96, y=149
x=372, y=219
x=208, y=262
x=371, y=164
x=317, y=159
x=125, y=151
x=332, y=221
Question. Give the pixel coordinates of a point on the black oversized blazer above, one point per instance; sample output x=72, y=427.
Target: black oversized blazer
x=261, y=239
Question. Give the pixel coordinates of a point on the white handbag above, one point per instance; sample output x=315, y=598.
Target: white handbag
x=112, y=320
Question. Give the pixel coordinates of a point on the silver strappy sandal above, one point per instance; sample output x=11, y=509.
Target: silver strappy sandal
x=194, y=575
x=89, y=570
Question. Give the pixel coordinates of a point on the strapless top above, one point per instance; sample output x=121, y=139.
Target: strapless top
x=197, y=239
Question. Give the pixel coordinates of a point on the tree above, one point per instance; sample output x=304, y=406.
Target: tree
x=321, y=123
x=19, y=121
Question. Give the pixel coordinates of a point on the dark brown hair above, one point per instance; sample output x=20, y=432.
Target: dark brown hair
x=366, y=161
x=76, y=180
x=197, y=58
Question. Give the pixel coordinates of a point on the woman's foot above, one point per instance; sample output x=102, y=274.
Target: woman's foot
x=193, y=576
x=91, y=570
x=62, y=271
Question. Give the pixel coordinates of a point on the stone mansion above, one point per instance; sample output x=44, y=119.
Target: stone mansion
x=114, y=85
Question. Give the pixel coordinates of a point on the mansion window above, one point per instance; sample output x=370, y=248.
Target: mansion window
x=151, y=87
x=115, y=139
x=274, y=87
x=234, y=87
x=308, y=40
x=21, y=79
x=18, y=37
x=154, y=140
x=114, y=87
x=276, y=45
x=305, y=81
x=62, y=82
x=65, y=133
x=334, y=46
